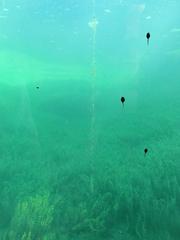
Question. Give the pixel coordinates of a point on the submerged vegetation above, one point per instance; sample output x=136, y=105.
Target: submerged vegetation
x=46, y=180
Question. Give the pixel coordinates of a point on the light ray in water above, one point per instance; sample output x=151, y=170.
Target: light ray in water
x=93, y=25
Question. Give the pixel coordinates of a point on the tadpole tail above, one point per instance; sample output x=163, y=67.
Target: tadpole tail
x=122, y=109
x=148, y=42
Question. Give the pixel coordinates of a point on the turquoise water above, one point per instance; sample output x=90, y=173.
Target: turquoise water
x=72, y=161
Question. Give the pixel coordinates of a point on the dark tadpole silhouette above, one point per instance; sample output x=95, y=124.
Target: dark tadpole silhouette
x=145, y=151
x=148, y=35
x=37, y=87
x=122, y=100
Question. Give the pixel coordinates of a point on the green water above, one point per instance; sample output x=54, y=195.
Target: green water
x=72, y=162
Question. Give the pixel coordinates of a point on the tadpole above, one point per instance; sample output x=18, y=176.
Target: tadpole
x=123, y=100
x=148, y=35
x=145, y=151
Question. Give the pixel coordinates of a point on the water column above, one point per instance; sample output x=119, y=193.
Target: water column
x=93, y=25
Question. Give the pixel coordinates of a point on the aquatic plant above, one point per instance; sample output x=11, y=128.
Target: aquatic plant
x=32, y=218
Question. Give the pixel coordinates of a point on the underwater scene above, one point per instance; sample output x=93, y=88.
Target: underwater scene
x=89, y=120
